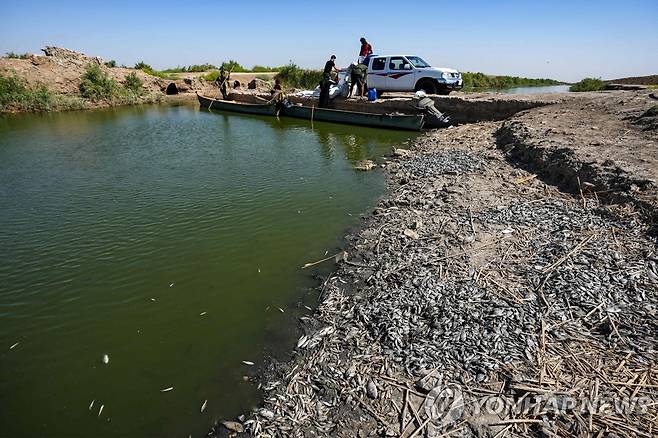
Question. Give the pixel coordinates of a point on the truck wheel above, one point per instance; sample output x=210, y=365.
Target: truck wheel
x=427, y=86
x=444, y=91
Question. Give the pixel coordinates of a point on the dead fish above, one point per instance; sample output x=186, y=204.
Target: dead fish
x=100, y=411
x=203, y=406
x=259, y=270
x=91, y=405
x=202, y=313
x=233, y=426
x=246, y=362
x=171, y=285
x=167, y=389
x=106, y=359
x=281, y=310
x=152, y=299
x=14, y=346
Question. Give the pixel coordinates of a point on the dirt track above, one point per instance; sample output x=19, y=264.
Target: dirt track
x=477, y=279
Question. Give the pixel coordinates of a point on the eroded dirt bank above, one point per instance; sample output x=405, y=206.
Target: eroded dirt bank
x=480, y=299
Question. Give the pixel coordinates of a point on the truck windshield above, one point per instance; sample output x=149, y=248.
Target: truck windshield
x=418, y=62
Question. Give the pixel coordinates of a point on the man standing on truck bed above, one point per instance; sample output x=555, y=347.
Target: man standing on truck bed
x=366, y=50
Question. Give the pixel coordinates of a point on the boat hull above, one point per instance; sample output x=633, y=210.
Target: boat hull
x=390, y=121
x=236, y=107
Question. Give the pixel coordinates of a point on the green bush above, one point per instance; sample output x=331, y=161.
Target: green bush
x=588, y=84
x=95, y=84
x=233, y=66
x=16, y=95
x=111, y=63
x=133, y=83
x=17, y=55
x=211, y=76
x=481, y=80
x=294, y=77
x=262, y=69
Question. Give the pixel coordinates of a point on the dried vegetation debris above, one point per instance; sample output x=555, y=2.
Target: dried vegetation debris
x=477, y=276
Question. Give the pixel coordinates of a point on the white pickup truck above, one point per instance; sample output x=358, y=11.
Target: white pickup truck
x=410, y=73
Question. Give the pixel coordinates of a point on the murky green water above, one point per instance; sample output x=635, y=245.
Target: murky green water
x=170, y=239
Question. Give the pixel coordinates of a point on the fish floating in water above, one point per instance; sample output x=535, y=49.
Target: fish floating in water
x=167, y=389
x=106, y=359
x=171, y=285
x=203, y=406
x=247, y=362
x=14, y=346
x=91, y=405
x=202, y=313
x=100, y=411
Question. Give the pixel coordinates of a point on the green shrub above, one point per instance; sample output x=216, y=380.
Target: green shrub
x=262, y=69
x=588, y=84
x=481, y=80
x=111, y=63
x=95, y=84
x=16, y=95
x=294, y=77
x=210, y=76
x=233, y=66
x=133, y=83
x=17, y=55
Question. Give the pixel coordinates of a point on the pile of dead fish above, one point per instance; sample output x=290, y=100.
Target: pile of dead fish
x=563, y=271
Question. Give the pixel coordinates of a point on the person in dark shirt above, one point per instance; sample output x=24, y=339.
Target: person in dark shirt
x=366, y=50
x=325, y=84
x=222, y=80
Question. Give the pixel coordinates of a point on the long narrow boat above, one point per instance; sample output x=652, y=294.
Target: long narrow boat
x=391, y=121
x=268, y=109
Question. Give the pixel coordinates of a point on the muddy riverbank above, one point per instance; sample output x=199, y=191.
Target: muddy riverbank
x=507, y=286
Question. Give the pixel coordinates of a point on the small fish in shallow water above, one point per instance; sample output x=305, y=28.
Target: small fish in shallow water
x=100, y=411
x=14, y=346
x=91, y=405
x=167, y=389
x=171, y=285
x=202, y=313
x=281, y=310
x=247, y=362
x=106, y=359
x=203, y=406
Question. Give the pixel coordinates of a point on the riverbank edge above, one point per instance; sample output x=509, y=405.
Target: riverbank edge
x=273, y=372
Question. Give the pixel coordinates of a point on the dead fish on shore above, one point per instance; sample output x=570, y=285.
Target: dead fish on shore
x=106, y=359
x=233, y=426
x=100, y=411
x=203, y=406
x=14, y=346
x=167, y=389
x=247, y=362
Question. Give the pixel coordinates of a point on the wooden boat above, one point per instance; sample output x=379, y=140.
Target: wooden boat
x=390, y=121
x=268, y=109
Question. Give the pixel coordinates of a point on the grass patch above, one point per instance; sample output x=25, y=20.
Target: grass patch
x=16, y=95
x=588, y=84
x=292, y=76
x=481, y=80
x=17, y=55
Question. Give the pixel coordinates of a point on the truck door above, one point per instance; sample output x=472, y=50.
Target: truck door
x=400, y=74
x=377, y=73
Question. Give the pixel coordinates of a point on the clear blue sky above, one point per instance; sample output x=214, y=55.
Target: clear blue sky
x=565, y=40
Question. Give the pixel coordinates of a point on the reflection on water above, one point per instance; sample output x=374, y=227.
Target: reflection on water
x=167, y=238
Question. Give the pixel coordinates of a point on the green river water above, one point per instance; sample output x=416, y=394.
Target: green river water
x=170, y=239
